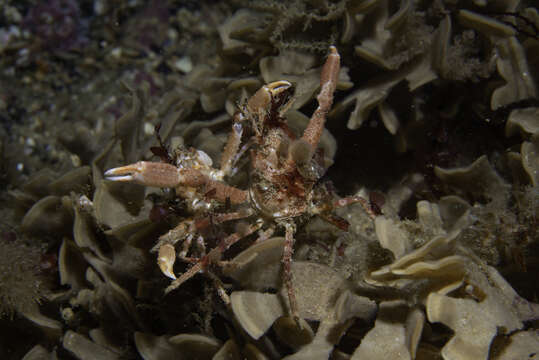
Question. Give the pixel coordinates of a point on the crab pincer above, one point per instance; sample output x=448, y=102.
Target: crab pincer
x=165, y=175
x=147, y=173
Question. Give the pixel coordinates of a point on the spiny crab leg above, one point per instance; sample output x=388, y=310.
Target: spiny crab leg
x=328, y=83
x=228, y=158
x=186, y=231
x=288, y=251
x=214, y=254
x=165, y=175
x=355, y=199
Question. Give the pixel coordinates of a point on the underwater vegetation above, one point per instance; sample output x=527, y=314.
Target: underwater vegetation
x=20, y=280
x=56, y=24
x=356, y=179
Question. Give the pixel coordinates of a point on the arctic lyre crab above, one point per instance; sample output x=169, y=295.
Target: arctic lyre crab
x=283, y=189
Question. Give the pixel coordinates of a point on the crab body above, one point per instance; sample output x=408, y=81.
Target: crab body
x=283, y=180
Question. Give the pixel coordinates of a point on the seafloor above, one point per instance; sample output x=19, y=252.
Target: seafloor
x=434, y=124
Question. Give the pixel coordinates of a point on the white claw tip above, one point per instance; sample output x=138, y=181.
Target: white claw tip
x=125, y=173
x=168, y=273
x=118, y=178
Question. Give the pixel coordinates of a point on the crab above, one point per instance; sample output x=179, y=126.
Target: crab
x=283, y=189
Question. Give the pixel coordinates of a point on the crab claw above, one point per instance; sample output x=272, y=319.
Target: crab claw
x=166, y=259
x=278, y=87
x=146, y=173
x=277, y=91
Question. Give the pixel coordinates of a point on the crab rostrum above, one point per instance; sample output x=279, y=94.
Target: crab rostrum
x=283, y=188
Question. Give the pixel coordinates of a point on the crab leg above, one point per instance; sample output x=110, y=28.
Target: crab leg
x=169, y=176
x=328, y=84
x=221, y=218
x=214, y=255
x=355, y=199
x=287, y=270
x=232, y=146
x=187, y=230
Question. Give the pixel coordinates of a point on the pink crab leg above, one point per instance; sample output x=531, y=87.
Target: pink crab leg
x=355, y=199
x=232, y=146
x=169, y=176
x=222, y=192
x=287, y=270
x=192, y=226
x=221, y=218
x=323, y=210
x=214, y=255
x=328, y=83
